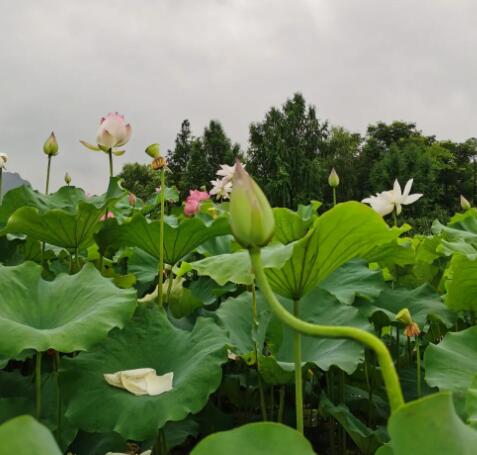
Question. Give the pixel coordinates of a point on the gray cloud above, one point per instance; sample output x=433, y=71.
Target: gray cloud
x=65, y=64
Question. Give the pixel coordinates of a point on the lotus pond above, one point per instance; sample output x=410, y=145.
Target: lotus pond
x=137, y=327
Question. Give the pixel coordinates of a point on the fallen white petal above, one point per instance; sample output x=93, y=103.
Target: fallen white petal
x=141, y=381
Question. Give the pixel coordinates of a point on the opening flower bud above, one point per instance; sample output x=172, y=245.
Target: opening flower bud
x=404, y=316
x=153, y=151
x=50, y=147
x=333, y=179
x=251, y=216
x=67, y=178
x=464, y=203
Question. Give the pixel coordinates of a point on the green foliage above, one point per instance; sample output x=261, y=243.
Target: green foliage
x=255, y=439
x=140, y=179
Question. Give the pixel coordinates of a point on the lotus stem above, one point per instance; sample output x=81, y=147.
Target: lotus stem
x=110, y=155
x=334, y=196
x=298, y=371
x=161, y=238
x=418, y=368
x=281, y=404
x=58, y=395
x=390, y=377
x=263, y=405
x=48, y=168
x=1, y=178
x=170, y=280
x=38, y=385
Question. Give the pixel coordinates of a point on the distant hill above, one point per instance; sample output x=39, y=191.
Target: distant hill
x=12, y=180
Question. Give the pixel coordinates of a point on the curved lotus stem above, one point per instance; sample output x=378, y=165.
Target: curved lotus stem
x=391, y=380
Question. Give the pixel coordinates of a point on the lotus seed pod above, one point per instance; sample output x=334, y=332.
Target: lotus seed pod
x=153, y=151
x=404, y=316
x=251, y=216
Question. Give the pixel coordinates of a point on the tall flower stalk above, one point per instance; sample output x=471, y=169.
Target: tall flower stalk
x=3, y=162
x=159, y=163
x=50, y=147
x=252, y=223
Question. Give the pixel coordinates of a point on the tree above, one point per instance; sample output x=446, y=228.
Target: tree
x=140, y=179
x=284, y=151
x=178, y=158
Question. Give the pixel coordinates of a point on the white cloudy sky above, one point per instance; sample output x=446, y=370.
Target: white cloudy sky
x=65, y=63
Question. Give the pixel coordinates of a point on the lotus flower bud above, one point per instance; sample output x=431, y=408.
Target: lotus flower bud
x=404, y=316
x=113, y=131
x=50, y=147
x=464, y=203
x=333, y=179
x=67, y=179
x=153, y=151
x=3, y=160
x=251, y=217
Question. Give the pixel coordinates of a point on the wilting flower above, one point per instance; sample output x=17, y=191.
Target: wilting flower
x=113, y=132
x=3, y=160
x=464, y=203
x=333, y=179
x=132, y=199
x=193, y=201
x=142, y=381
x=107, y=216
x=50, y=147
x=386, y=202
x=221, y=188
x=251, y=216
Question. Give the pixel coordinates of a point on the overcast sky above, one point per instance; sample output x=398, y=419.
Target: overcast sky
x=65, y=63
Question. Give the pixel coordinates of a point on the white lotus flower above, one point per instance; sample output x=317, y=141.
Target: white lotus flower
x=142, y=381
x=227, y=172
x=386, y=202
x=221, y=188
x=3, y=160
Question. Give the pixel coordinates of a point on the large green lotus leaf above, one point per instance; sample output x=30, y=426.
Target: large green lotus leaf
x=354, y=279
x=347, y=231
x=25, y=436
x=452, y=364
x=235, y=315
x=289, y=225
x=471, y=403
x=179, y=239
x=322, y=308
x=149, y=341
x=365, y=438
x=430, y=426
x=71, y=313
x=236, y=267
x=423, y=302
x=67, y=218
x=255, y=439
x=461, y=284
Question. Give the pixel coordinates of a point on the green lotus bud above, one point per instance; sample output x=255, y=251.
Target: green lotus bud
x=67, y=179
x=333, y=179
x=251, y=217
x=464, y=203
x=50, y=147
x=153, y=151
x=404, y=316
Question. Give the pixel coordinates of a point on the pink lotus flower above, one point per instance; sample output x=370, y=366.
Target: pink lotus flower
x=107, y=216
x=113, y=131
x=198, y=195
x=191, y=207
x=192, y=204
